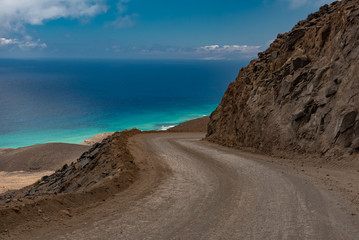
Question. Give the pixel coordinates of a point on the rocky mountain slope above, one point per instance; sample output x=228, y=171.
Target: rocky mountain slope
x=302, y=94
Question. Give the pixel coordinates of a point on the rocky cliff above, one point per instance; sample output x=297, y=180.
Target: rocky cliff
x=302, y=94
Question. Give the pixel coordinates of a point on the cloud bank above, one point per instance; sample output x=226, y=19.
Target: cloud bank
x=15, y=14
x=209, y=52
x=216, y=51
x=22, y=44
x=299, y=3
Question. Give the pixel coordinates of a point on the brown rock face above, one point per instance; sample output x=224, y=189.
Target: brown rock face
x=105, y=161
x=301, y=94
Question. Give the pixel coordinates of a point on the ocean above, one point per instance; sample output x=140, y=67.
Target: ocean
x=69, y=101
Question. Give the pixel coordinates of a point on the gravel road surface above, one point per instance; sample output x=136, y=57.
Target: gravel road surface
x=193, y=189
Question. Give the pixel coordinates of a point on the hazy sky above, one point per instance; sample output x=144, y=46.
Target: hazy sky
x=178, y=29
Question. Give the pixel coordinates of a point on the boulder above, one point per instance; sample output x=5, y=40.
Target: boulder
x=348, y=121
x=299, y=62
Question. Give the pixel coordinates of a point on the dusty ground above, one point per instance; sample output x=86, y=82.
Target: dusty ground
x=24, y=166
x=191, y=189
x=339, y=176
x=109, y=170
x=195, y=125
x=42, y=157
x=19, y=179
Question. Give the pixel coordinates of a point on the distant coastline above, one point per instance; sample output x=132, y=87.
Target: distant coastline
x=70, y=104
x=23, y=166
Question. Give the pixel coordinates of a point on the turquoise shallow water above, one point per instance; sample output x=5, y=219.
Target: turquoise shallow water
x=69, y=101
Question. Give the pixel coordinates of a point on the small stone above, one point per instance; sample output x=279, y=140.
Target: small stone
x=66, y=212
x=105, y=174
x=84, y=162
x=16, y=209
x=337, y=81
x=331, y=91
x=355, y=143
x=348, y=121
x=274, y=55
x=64, y=168
x=322, y=102
x=298, y=115
x=299, y=63
x=44, y=178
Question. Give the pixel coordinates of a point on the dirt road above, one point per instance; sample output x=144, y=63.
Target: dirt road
x=197, y=190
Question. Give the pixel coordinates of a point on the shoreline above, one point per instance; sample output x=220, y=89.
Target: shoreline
x=98, y=137
x=17, y=170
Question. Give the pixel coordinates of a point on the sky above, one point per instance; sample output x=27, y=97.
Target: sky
x=146, y=29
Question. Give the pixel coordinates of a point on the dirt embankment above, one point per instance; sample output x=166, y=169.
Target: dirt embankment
x=105, y=169
x=301, y=96
x=195, y=125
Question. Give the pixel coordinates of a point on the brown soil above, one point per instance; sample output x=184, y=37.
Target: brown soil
x=195, y=125
x=43, y=157
x=341, y=176
x=19, y=179
x=190, y=189
x=110, y=170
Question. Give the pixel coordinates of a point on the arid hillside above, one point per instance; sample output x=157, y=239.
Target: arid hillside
x=42, y=157
x=302, y=94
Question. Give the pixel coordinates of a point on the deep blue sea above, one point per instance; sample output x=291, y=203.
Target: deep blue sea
x=71, y=100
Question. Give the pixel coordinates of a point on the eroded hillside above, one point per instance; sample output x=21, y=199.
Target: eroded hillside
x=302, y=94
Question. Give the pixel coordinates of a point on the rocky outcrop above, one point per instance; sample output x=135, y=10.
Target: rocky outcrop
x=102, y=172
x=109, y=160
x=302, y=94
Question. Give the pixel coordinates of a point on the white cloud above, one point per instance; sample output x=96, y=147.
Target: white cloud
x=212, y=58
x=210, y=52
x=296, y=3
x=299, y=3
x=230, y=48
x=5, y=41
x=24, y=45
x=15, y=14
x=124, y=20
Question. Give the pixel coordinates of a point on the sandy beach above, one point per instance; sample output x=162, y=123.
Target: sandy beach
x=24, y=166
x=19, y=179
